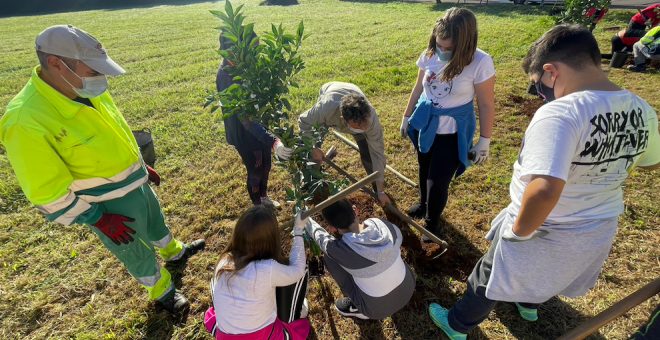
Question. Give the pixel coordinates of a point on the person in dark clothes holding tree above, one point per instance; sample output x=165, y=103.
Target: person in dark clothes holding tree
x=252, y=141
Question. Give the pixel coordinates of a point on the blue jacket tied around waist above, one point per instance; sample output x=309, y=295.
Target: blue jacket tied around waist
x=425, y=121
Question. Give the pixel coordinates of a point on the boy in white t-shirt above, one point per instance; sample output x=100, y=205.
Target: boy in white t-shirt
x=566, y=188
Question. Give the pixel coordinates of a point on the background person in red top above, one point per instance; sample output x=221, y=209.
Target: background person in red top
x=623, y=41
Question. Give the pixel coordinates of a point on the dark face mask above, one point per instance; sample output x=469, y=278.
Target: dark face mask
x=545, y=92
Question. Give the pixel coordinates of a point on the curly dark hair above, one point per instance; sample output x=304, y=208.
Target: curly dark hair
x=355, y=107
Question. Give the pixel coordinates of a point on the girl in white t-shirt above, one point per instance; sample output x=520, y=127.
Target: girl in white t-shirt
x=257, y=293
x=439, y=118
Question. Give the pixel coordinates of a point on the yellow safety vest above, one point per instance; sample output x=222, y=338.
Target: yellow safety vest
x=68, y=156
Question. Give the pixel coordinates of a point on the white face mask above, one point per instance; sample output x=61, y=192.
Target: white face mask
x=92, y=86
x=355, y=130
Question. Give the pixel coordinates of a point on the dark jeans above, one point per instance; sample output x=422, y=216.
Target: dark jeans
x=258, y=164
x=365, y=156
x=474, y=306
x=372, y=307
x=436, y=170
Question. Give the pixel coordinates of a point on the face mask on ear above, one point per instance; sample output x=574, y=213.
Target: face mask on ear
x=443, y=56
x=92, y=86
x=547, y=93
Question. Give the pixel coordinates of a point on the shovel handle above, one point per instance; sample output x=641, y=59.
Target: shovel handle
x=389, y=207
x=357, y=148
x=332, y=199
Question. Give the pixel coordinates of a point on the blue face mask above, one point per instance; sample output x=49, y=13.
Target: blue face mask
x=443, y=56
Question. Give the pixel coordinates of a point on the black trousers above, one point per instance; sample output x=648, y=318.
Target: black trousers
x=474, y=306
x=258, y=164
x=289, y=300
x=436, y=170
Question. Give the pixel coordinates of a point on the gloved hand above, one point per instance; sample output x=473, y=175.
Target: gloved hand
x=481, y=150
x=510, y=236
x=282, y=151
x=403, y=129
x=112, y=225
x=299, y=224
x=153, y=175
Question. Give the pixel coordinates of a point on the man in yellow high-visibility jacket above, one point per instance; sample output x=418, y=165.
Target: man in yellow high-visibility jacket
x=77, y=161
x=646, y=48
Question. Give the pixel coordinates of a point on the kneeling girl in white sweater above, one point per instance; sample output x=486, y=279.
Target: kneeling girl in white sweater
x=257, y=293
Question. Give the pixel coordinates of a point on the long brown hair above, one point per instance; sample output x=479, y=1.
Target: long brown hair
x=255, y=237
x=459, y=25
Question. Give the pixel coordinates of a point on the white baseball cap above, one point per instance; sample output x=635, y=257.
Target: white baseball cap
x=72, y=42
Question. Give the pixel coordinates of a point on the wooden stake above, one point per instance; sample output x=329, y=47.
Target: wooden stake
x=332, y=199
x=615, y=311
x=355, y=147
x=391, y=208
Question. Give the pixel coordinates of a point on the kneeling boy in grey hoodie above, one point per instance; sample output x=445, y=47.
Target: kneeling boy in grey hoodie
x=366, y=262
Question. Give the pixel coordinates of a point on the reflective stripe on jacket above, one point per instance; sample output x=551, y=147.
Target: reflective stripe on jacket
x=652, y=37
x=68, y=156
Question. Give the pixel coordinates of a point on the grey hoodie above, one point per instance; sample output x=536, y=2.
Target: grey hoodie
x=372, y=257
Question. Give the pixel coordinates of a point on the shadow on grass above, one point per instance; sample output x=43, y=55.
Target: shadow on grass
x=42, y=7
x=555, y=319
x=328, y=306
x=370, y=329
x=278, y=3
x=160, y=324
x=434, y=277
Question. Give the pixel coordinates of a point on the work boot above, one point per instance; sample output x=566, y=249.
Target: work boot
x=433, y=227
x=417, y=210
x=193, y=247
x=175, y=303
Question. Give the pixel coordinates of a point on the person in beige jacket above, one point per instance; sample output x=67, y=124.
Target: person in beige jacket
x=344, y=107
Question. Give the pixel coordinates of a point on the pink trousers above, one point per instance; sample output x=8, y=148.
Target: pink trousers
x=278, y=330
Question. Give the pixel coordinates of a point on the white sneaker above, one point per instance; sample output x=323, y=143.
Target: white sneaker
x=269, y=203
x=304, y=311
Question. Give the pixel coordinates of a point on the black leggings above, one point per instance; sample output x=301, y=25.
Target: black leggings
x=257, y=176
x=436, y=170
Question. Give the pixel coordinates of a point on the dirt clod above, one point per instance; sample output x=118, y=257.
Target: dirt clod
x=523, y=105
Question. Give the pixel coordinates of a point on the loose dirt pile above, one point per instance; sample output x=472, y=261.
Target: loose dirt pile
x=425, y=258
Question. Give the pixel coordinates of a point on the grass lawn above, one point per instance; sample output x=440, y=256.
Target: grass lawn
x=59, y=282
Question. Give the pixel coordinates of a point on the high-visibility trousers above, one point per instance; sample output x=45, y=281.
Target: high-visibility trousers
x=151, y=234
